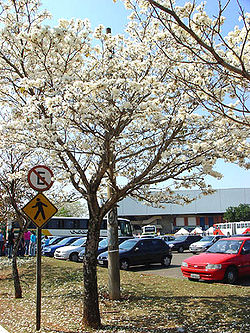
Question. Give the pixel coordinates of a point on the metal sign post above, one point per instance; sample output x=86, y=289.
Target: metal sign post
x=38, y=279
x=39, y=210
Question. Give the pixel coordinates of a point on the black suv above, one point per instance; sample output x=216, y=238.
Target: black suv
x=182, y=243
x=139, y=251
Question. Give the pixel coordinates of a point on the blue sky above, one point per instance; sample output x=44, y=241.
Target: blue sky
x=114, y=15
x=104, y=12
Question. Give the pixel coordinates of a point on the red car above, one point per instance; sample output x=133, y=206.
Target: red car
x=226, y=260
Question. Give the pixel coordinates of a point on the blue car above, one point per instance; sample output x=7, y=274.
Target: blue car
x=102, y=246
x=53, y=240
x=50, y=250
x=140, y=251
x=182, y=243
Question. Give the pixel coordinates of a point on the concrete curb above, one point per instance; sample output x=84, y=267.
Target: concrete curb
x=3, y=330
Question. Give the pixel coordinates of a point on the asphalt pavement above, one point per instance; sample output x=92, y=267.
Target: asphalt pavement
x=173, y=271
x=175, y=268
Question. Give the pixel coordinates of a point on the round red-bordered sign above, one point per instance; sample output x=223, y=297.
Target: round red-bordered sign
x=40, y=178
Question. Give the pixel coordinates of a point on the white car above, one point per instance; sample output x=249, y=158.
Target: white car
x=204, y=243
x=71, y=251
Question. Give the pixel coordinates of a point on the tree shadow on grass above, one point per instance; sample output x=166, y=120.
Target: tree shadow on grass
x=191, y=314
x=135, y=327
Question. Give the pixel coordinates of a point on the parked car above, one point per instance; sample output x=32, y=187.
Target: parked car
x=203, y=244
x=226, y=260
x=72, y=251
x=182, y=243
x=50, y=250
x=53, y=240
x=140, y=251
x=166, y=238
x=44, y=237
x=102, y=246
x=147, y=236
x=241, y=235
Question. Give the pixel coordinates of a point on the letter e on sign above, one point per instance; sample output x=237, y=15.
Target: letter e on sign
x=40, y=178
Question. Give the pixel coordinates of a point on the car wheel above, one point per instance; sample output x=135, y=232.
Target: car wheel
x=166, y=261
x=181, y=249
x=231, y=275
x=124, y=264
x=74, y=257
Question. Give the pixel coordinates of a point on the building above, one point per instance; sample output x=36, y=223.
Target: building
x=202, y=212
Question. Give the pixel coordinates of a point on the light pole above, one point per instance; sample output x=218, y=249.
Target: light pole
x=113, y=252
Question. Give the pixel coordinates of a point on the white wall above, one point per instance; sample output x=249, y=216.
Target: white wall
x=217, y=202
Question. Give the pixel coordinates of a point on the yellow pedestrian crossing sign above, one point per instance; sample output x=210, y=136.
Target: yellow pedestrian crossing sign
x=39, y=209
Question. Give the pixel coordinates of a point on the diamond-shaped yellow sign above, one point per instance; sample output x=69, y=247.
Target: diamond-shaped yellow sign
x=39, y=209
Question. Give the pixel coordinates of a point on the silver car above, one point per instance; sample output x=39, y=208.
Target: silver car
x=72, y=251
x=203, y=244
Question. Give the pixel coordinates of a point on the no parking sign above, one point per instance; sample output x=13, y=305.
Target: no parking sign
x=40, y=178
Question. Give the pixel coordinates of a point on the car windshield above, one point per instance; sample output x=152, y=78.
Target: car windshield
x=128, y=244
x=103, y=243
x=207, y=239
x=229, y=246
x=180, y=238
x=65, y=241
x=54, y=240
x=167, y=238
x=79, y=242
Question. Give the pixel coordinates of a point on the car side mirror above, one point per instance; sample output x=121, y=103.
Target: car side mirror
x=136, y=249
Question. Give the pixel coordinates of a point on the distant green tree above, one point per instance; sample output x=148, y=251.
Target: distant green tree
x=240, y=213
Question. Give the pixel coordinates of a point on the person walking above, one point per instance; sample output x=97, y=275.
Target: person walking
x=11, y=240
x=26, y=236
x=1, y=242
x=32, y=250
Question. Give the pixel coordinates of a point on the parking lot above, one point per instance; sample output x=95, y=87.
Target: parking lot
x=175, y=268
x=173, y=271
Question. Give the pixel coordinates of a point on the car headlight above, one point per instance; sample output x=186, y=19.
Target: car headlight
x=184, y=264
x=213, y=266
x=171, y=245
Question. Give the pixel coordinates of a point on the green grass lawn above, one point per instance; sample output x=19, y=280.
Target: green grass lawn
x=149, y=303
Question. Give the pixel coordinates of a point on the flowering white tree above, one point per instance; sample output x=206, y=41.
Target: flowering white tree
x=14, y=192
x=204, y=43
x=108, y=112
x=72, y=209
x=15, y=161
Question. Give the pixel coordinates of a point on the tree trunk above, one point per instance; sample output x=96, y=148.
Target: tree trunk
x=15, y=274
x=91, y=313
